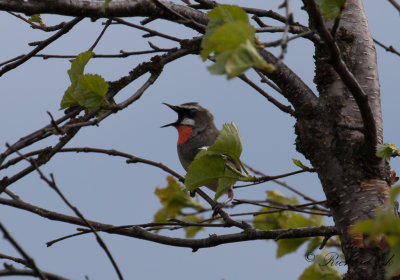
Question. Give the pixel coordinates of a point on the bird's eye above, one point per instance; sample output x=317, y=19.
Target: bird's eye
x=192, y=112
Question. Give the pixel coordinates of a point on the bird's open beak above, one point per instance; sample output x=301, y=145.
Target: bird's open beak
x=176, y=109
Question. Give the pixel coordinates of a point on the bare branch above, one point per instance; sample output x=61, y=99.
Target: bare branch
x=107, y=24
x=41, y=27
x=283, y=184
x=122, y=54
x=150, y=31
x=30, y=261
x=67, y=27
x=284, y=108
x=395, y=4
x=93, y=9
x=12, y=271
x=387, y=48
x=293, y=87
x=212, y=241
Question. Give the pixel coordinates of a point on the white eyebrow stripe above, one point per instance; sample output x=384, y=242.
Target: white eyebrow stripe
x=187, y=121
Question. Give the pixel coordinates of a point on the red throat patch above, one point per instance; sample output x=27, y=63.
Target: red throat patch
x=184, y=133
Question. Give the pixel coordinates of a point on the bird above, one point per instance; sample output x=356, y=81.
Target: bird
x=196, y=130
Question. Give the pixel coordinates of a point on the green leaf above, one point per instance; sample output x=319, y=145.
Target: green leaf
x=206, y=167
x=266, y=221
x=86, y=90
x=193, y=230
x=228, y=142
x=300, y=164
x=394, y=192
x=314, y=243
x=227, y=13
x=71, y=95
x=36, y=18
x=287, y=246
x=244, y=57
x=231, y=37
x=218, y=17
x=386, y=150
x=96, y=88
x=319, y=270
x=278, y=196
x=225, y=183
x=227, y=37
x=284, y=220
x=103, y=8
x=78, y=66
x=331, y=9
x=174, y=198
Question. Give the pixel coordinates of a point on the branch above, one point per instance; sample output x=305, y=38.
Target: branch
x=387, y=48
x=151, y=32
x=52, y=184
x=11, y=271
x=67, y=27
x=293, y=87
x=284, y=108
x=395, y=4
x=212, y=241
x=31, y=262
x=116, y=8
x=283, y=184
x=156, y=62
x=347, y=77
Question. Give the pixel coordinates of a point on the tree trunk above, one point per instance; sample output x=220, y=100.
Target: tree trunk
x=354, y=180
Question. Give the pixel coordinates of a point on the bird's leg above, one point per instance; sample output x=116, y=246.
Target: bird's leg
x=219, y=205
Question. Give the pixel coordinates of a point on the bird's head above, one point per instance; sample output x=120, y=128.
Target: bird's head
x=191, y=117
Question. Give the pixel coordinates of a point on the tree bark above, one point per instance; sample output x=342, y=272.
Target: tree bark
x=354, y=180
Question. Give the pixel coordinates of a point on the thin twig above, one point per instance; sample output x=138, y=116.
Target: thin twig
x=150, y=31
x=37, y=26
x=200, y=27
x=212, y=241
x=52, y=184
x=264, y=79
x=122, y=54
x=108, y=22
x=387, y=48
x=283, y=184
x=395, y=4
x=30, y=262
x=67, y=27
x=284, y=108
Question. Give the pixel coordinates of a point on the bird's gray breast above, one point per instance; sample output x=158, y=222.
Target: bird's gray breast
x=188, y=151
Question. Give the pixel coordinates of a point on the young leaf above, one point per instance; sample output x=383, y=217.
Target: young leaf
x=331, y=9
x=206, y=167
x=219, y=16
x=36, y=18
x=103, y=8
x=319, y=270
x=96, y=89
x=386, y=150
x=225, y=183
x=228, y=142
x=300, y=164
x=231, y=37
x=244, y=57
x=78, y=66
x=227, y=37
x=287, y=246
x=192, y=231
x=76, y=71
